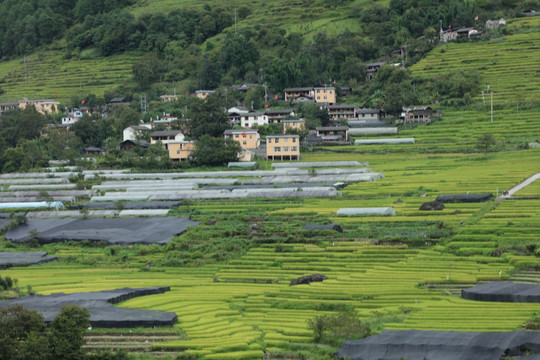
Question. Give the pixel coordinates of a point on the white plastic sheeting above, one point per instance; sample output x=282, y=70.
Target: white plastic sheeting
x=316, y=178
x=35, y=198
x=375, y=130
x=374, y=211
x=37, y=204
x=242, y=164
x=42, y=187
x=309, y=164
x=34, y=181
x=384, y=141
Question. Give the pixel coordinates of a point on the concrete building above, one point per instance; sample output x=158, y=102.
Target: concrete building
x=283, y=147
x=248, y=139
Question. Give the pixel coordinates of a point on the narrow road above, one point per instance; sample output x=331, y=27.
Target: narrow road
x=520, y=186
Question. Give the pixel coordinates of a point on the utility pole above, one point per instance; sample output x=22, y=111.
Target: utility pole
x=143, y=103
x=265, y=94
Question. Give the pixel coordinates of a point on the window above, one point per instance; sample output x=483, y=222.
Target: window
x=236, y=136
x=285, y=149
x=293, y=148
x=293, y=140
x=244, y=142
x=251, y=136
x=178, y=152
x=277, y=141
x=277, y=149
x=269, y=140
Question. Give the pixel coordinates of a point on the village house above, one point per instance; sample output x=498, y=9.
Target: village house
x=333, y=133
x=203, y=94
x=293, y=124
x=372, y=69
x=130, y=144
x=72, y=117
x=341, y=111
x=253, y=118
x=493, y=24
x=93, y=151
x=325, y=95
x=243, y=87
x=167, y=120
x=292, y=94
x=119, y=101
x=447, y=35
x=421, y=114
x=283, y=147
x=277, y=116
x=369, y=115
x=168, y=98
x=180, y=150
x=234, y=114
x=166, y=137
x=248, y=139
x=135, y=132
x=44, y=106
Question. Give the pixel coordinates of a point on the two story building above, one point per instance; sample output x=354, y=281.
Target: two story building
x=333, y=133
x=248, y=139
x=299, y=124
x=283, y=147
x=44, y=106
x=276, y=116
x=180, y=150
x=252, y=118
x=421, y=114
x=168, y=98
x=341, y=111
x=324, y=95
x=166, y=137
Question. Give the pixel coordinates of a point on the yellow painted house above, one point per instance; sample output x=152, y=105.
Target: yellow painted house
x=202, y=94
x=44, y=106
x=294, y=124
x=180, y=150
x=248, y=139
x=324, y=95
x=283, y=147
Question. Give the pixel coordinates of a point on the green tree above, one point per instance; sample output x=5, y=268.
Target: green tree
x=485, y=142
x=148, y=69
x=23, y=334
x=213, y=151
x=67, y=333
x=207, y=117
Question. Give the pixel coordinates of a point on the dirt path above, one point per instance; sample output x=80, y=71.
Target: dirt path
x=520, y=186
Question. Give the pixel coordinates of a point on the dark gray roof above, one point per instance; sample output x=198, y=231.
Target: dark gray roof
x=297, y=89
x=332, y=128
x=417, y=108
x=368, y=111
x=253, y=113
x=278, y=111
x=376, y=64
x=282, y=136
x=142, y=143
x=138, y=127
x=239, y=131
x=166, y=133
x=342, y=106
x=117, y=100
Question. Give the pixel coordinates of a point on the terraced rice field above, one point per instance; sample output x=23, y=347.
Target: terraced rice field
x=509, y=64
x=49, y=74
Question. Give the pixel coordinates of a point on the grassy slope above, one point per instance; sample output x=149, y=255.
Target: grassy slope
x=51, y=74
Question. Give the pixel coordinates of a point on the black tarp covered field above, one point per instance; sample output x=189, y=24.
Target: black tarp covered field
x=464, y=198
x=99, y=304
x=9, y=259
x=115, y=231
x=443, y=345
x=503, y=291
